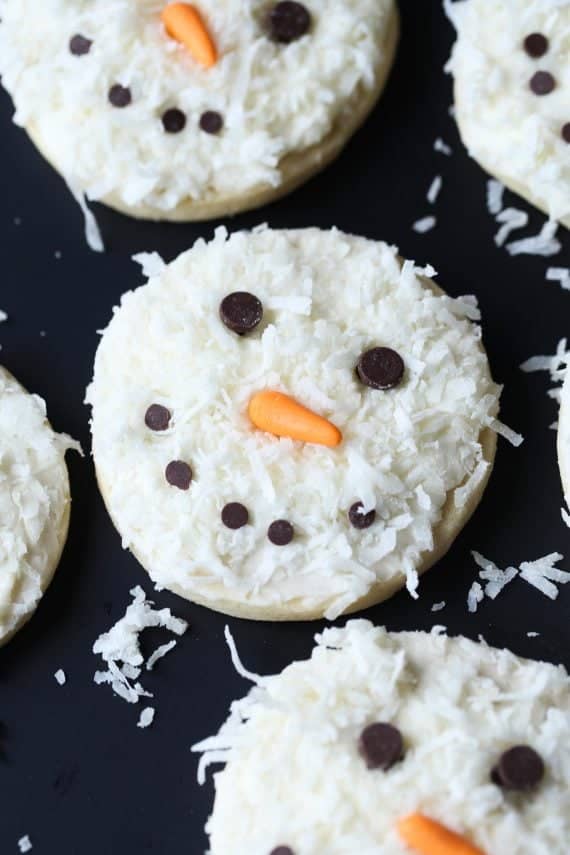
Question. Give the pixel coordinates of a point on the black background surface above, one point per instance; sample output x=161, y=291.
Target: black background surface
x=76, y=774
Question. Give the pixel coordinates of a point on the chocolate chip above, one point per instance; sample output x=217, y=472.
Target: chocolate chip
x=178, y=474
x=282, y=850
x=542, y=83
x=280, y=532
x=120, y=96
x=381, y=746
x=211, y=122
x=288, y=21
x=359, y=519
x=174, y=121
x=157, y=417
x=536, y=45
x=79, y=45
x=235, y=515
x=241, y=312
x=380, y=368
x=519, y=768
x=566, y=132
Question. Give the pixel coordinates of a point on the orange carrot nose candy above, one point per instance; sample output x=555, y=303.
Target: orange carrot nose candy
x=281, y=415
x=428, y=837
x=184, y=23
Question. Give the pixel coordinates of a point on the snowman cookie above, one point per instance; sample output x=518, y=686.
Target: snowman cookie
x=396, y=744
x=34, y=503
x=184, y=111
x=564, y=438
x=511, y=65
x=291, y=424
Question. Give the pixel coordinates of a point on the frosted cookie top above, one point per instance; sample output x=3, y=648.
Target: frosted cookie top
x=376, y=737
x=34, y=502
x=186, y=412
x=511, y=64
x=125, y=109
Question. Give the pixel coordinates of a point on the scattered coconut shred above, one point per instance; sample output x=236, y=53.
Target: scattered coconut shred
x=556, y=366
x=541, y=574
x=560, y=275
x=120, y=650
x=545, y=243
x=60, y=677
x=25, y=844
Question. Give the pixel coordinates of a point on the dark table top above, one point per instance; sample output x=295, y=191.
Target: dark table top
x=76, y=773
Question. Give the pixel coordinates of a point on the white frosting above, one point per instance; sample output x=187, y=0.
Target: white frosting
x=34, y=499
x=564, y=437
x=327, y=298
x=275, y=99
x=294, y=775
x=511, y=131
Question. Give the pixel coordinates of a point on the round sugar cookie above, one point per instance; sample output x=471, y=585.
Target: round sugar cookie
x=511, y=65
x=291, y=424
x=177, y=111
x=564, y=438
x=34, y=503
x=382, y=742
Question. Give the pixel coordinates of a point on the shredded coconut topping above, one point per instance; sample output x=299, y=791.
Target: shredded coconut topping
x=275, y=99
x=508, y=129
x=541, y=574
x=294, y=774
x=120, y=650
x=34, y=501
x=424, y=225
x=327, y=298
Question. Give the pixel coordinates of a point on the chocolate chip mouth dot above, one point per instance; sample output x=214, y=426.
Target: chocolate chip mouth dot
x=380, y=368
x=519, y=768
x=157, y=417
x=178, y=474
x=211, y=122
x=174, y=121
x=536, y=45
x=120, y=96
x=359, y=519
x=79, y=45
x=241, y=312
x=542, y=83
x=235, y=515
x=280, y=532
x=381, y=746
x=282, y=850
x=288, y=21
x=566, y=132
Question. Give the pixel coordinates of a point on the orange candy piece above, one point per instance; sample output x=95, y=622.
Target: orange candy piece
x=184, y=23
x=281, y=415
x=428, y=837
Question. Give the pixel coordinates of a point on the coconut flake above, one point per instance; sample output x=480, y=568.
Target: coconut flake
x=236, y=661
x=512, y=219
x=152, y=263
x=25, y=844
x=60, y=677
x=159, y=653
x=424, y=225
x=560, y=275
x=565, y=516
x=3, y=316
x=437, y=607
x=506, y=432
x=543, y=575
x=434, y=189
x=474, y=597
x=442, y=147
x=495, y=192
x=146, y=717
x=92, y=231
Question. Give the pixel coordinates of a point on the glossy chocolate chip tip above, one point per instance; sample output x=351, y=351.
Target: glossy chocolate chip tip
x=380, y=368
x=157, y=417
x=235, y=515
x=280, y=532
x=178, y=474
x=520, y=768
x=381, y=746
x=241, y=312
x=288, y=21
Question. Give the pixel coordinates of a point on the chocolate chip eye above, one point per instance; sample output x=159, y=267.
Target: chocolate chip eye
x=157, y=417
x=79, y=45
x=120, y=96
x=280, y=532
x=211, y=122
x=380, y=368
x=288, y=21
x=358, y=518
x=178, y=474
x=542, y=83
x=381, y=746
x=519, y=768
x=235, y=515
x=536, y=45
x=566, y=132
x=173, y=121
x=241, y=312
x=282, y=850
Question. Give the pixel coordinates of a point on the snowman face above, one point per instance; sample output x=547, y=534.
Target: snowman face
x=512, y=93
x=396, y=743
x=160, y=102
x=176, y=440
